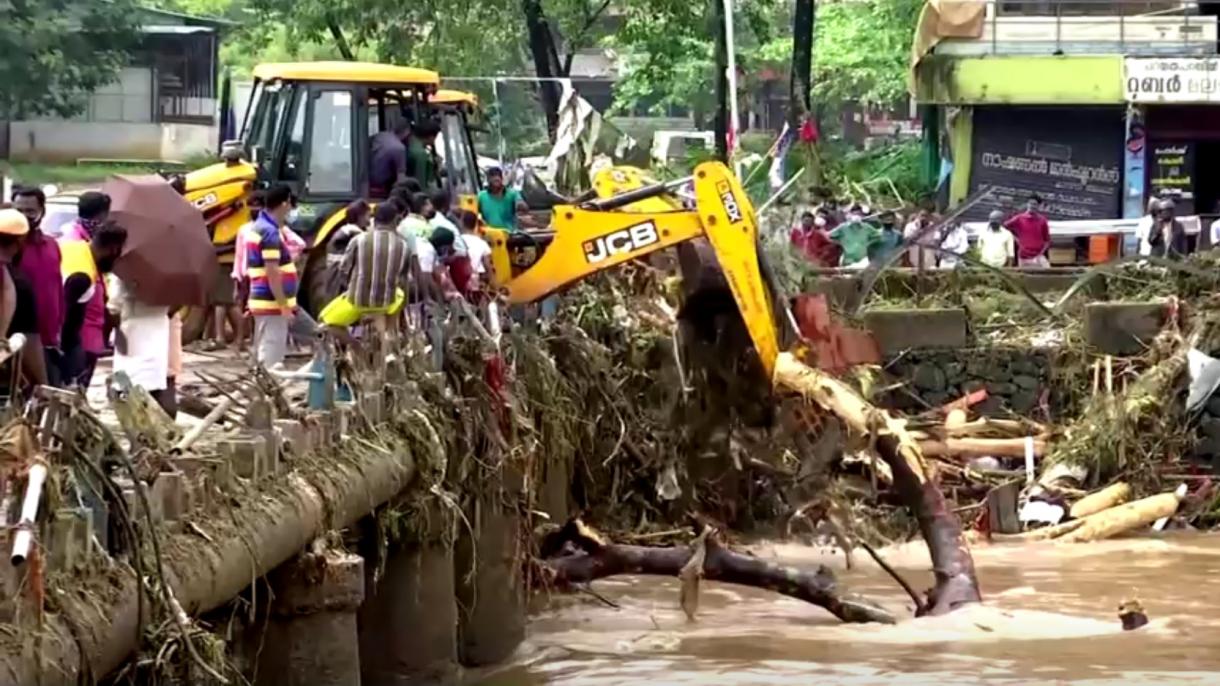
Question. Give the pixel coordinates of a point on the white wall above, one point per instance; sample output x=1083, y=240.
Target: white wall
x=68, y=141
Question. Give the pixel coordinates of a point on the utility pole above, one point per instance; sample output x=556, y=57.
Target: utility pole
x=721, y=122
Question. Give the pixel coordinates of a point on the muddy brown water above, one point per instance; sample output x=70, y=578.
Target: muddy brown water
x=1049, y=617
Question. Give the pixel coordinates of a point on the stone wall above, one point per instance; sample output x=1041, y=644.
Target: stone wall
x=1017, y=380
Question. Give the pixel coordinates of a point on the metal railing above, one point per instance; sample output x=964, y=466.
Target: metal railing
x=1135, y=27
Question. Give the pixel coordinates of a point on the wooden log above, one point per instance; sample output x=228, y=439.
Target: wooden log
x=1116, y=520
x=1045, y=533
x=1110, y=496
x=979, y=447
x=914, y=479
x=598, y=559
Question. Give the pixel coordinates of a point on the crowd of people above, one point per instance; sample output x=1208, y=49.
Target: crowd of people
x=847, y=235
x=62, y=296
x=412, y=248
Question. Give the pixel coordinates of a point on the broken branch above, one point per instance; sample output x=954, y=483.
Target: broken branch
x=598, y=559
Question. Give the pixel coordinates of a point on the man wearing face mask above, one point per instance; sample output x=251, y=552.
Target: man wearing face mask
x=84, y=265
x=39, y=263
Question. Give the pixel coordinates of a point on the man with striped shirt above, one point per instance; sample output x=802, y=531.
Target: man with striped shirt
x=374, y=268
x=273, y=279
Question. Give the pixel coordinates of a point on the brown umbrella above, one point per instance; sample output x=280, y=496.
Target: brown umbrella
x=168, y=259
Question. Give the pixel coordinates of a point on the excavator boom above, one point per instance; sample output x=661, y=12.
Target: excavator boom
x=589, y=239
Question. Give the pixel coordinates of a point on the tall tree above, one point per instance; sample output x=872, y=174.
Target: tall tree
x=53, y=53
x=802, y=61
x=546, y=60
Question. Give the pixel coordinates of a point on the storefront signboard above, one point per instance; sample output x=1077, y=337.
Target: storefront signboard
x=1171, y=79
x=1171, y=173
x=1068, y=157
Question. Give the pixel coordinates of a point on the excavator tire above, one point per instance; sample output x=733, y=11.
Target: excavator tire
x=312, y=293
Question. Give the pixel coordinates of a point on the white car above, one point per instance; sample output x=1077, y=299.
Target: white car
x=61, y=212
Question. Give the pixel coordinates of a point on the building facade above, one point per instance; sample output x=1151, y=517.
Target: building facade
x=162, y=106
x=1095, y=105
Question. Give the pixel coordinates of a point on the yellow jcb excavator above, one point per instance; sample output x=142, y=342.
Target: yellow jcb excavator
x=603, y=233
x=309, y=125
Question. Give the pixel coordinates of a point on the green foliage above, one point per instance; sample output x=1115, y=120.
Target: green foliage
x=54, y=52
x=667, y=49
x=885, y=176
x=861, y=50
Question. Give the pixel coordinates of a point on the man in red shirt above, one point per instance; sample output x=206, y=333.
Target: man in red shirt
x=39, y=264
x=813, y=239
x=1033, y=235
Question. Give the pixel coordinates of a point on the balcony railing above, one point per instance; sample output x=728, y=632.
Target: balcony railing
x=1088, y=27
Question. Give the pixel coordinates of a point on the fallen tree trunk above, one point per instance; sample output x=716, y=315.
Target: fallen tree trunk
x=598, y=559
x=913, y=477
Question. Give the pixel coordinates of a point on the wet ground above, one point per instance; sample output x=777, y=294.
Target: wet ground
x=1050, y=617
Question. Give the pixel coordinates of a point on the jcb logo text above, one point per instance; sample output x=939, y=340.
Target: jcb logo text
x=626, y=240
x=731, y=208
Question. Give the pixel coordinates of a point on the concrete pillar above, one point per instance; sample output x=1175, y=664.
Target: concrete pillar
x=311, y=637
x=492, y=621
x=408, y=629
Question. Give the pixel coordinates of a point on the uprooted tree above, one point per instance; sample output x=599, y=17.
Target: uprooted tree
x=715, y=340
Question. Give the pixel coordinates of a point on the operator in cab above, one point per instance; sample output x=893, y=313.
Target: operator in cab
x=421, y=155
x=388, y=159
x=499, y=205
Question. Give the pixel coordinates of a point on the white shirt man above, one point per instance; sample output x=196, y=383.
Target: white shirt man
x=955, y=243
x=997, y=248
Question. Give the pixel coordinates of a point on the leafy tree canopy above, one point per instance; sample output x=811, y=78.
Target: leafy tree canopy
x=53, y=53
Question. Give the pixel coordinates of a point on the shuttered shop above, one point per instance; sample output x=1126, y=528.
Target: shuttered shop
x=1071, y=158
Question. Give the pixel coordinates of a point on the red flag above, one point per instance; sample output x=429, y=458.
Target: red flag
x=809, y=131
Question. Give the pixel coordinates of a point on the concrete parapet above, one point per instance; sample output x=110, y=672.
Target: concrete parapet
x=916, y=329
x=1122, y=328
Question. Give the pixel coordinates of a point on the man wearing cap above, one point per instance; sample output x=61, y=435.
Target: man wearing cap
x=13, y=228
x=18, y=309
x=499, y=205
x=997, y=247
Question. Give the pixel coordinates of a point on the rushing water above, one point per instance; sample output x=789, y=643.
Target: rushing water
x=1049, y=617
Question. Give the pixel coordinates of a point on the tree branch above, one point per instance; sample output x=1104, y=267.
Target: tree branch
x=590, y=557
x=579, y=37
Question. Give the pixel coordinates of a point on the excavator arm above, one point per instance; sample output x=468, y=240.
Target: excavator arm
x=592, y=238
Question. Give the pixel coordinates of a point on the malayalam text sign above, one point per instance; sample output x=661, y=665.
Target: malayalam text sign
x=1171, y=79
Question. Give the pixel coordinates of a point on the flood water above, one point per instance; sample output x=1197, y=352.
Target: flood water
x=1049, y=617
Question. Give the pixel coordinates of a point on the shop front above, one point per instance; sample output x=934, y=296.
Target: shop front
x=1175, y=105
x=1071, y=157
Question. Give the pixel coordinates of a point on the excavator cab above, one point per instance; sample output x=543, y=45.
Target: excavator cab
x=456, y=111
x=310, y=125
